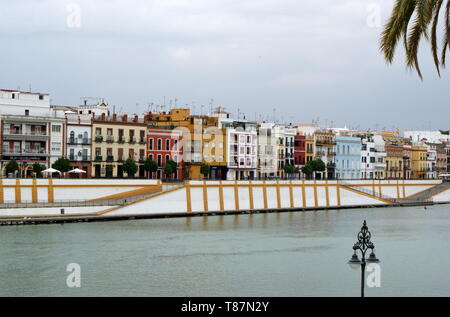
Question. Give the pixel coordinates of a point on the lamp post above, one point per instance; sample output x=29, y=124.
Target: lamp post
x=363, y=245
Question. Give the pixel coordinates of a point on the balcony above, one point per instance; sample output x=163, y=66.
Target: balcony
x=325, y=142
x=98, y=158
x=83, y=158
x=142, y=140
x=121, y=139
x=110, y=158
x=98, y=138
x=19, y=135
x=379, y=165
x=109, y=139
x=40, y=152
x=132, y=140
x=120, y=159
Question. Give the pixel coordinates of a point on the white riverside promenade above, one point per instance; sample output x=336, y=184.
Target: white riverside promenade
x=211, y=197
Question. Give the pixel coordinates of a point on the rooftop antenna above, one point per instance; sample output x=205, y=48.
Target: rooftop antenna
x=210, y=105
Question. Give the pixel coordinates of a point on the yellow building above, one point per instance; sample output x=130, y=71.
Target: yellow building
x=309, y=156
x=419, y=162
x=394, y=156
x=203, y=141
x=115, y=139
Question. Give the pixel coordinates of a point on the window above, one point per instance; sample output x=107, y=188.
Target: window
x=175, y=145
x=167, y=145
x=56, y=146
x=98, y=131
x=150, y=144
x=159, y=159
x=13, y=96
x=167, y=158
x=159, y=144
x=56, y=128
x=41, y=97
x=27, y=112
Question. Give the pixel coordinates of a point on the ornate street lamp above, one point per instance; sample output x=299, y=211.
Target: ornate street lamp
x=363, y=245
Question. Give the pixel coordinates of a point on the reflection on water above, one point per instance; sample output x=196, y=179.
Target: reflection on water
x=279, y=254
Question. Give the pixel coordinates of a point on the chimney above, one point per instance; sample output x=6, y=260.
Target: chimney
x=125, y=118
x=114, y=117
x=136, y=119
x=103, y=116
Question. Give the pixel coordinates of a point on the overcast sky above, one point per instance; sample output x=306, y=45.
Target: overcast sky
x=310, y=60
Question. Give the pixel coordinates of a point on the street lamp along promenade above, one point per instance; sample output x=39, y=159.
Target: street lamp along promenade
x=363, y=245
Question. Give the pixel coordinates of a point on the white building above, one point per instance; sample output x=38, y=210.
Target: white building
x=32, y=132
x=242, y=142
x=380, y=157
x=368, y=159
x=426, y=136
x=79, y=141
x=267, y=154
x=289, y=144
x=431, y=161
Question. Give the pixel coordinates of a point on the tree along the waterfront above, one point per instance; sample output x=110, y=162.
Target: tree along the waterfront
x=130, y=167
x=170, y=168
x=62, y=164
x=204, y=170
x=313, y=166
x=425, y=24
x=150, y=166
x=11, y=167
x=38, y=168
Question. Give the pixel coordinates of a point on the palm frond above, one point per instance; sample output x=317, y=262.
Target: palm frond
x=445, y=43
x=395, y=27
x=447, y=23
x=437, y=9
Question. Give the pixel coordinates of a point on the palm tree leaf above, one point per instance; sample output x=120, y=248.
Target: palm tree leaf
x=444, y=51
x=409, y=13
x=447, y=23
x=413, y=45
x=433, y=35
x=395, y=27
x=424, y=11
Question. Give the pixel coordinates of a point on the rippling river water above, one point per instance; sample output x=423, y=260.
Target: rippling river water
x=279, y=254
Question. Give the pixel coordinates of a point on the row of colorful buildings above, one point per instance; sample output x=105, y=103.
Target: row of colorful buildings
x=98, y=141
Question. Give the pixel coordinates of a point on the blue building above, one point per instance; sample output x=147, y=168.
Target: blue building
x=348, y=157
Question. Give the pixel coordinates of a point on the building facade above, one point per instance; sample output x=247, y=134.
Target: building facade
x=115, y=139
x=31, y=131
x=164, y=145
x=348, y=157
x=242, y=143
x=79, y=142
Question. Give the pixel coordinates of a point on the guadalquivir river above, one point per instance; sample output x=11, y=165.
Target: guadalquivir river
x=279, y=254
